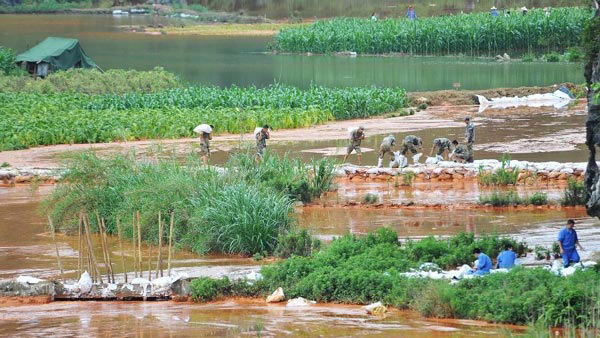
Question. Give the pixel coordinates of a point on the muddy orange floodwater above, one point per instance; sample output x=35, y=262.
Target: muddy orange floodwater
x=225, y=319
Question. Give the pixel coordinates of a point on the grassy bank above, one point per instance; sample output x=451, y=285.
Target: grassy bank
x=366, y=269
x=470, y=34
x=51, y=111
x=244, y=210
x=508, y=198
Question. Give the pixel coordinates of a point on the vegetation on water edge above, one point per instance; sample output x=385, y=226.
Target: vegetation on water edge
x=66, y=118
x=228, y=212
x=367, y=269
x=573, y=54
x=508, y=198
x=44, y=6
x=471, y=34
x=92, y=81
x=575, y=193
x=505, y=175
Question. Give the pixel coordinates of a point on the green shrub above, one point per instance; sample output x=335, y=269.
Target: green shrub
x=528, y=57
x=505, y=175
x=5, y=165
x=298, y=243
x=7, y=60
x=205, y=289
x=370, y=198
x=538, y=198
x=551, y=57
x=574, y=54
x=575, y=193
x=507, y=198
x=471, y=34
x=541, y=252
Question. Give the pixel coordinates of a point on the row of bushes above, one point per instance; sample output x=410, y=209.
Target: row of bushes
x=244, y=210
x=89, y=81
x=364, y=270
x=472, y=34
x=507, y=198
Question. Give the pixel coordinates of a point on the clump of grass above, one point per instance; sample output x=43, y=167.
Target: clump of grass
x=541, y=252
x=574, y=194
x=508, y=198
x=5, y=165
x=505, y=175
x=551, y=57
x=244, y=210
x=298, y=243
x=574, y=54
x=528, y=57
x=370, y=198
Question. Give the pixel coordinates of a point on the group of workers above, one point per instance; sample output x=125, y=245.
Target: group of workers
x=567, y=243
x=261, y=135
x=413, y=145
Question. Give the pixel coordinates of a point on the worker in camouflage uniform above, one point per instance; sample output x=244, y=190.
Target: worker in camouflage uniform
x=469, y=138
x=356, y=137
x=444, y=147
x=411, y=143
x=205, y=145
x=261, y=141
x=386, y=147
x=461, y=152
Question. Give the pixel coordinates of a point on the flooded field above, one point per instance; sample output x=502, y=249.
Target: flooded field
x=244, y=318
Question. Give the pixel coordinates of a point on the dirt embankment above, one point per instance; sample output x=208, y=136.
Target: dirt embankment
x=467, y=97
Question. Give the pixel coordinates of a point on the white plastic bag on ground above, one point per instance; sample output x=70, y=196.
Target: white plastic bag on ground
x=416, y=157
x=28, y=280
x=85, y=283
x=203, y=128
x=299, y=302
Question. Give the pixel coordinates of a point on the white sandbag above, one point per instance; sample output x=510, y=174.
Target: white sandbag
x=28, y=280
x=85, y=283
x=203, y=128
x=439, y=157
x=431, y=160
x=400, y=161
x=416, y=157
x=257, y=130
x=380, y=163
x=351, y=131
x=375, y=308
x=299, y=302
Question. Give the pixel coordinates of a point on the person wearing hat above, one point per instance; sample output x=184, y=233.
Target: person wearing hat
x=494, y=11
x=411, y=143
x=411, y=14
x=469, y=137
x=443, y=145
x=386, y=147
x=205, y=145
x=567, y=240
x=261, y=141
x=524, y=10
x=356, y=137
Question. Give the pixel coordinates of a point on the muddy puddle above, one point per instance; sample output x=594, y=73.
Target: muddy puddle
x=429, y=193
x=243, y=318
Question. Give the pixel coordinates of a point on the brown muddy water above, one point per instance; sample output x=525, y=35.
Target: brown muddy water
x=244, y=318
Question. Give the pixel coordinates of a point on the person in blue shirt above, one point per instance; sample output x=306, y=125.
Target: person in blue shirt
x=506, y=259
x=494, y=11
x=567, y=240
x=485, y=263
x=411, y=14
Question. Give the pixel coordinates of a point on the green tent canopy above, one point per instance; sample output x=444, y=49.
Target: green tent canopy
x=60, y=53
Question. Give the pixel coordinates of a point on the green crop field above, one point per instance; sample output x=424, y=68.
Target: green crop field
x=470, y=34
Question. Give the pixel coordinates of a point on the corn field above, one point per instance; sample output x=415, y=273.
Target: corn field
x=37, y=119
x=470, y=34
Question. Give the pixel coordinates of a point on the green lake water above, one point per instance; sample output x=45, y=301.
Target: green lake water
x=244, y=61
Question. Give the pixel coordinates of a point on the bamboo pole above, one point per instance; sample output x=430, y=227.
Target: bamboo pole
x=121, y=249
x=133, y=237
x=105, y=239
x=92, y=255
x=103, y=246
x=80, y=248
x=56, y=247
x=139, y=233
x=159, y=258
x=149, y=261
x=170, y=242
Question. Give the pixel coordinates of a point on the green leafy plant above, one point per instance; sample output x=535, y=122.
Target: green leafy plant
x=298, y=243
x=574, y=193
x=528, y=57
x=5, y=165
x=551, y=57
x=505, y=175
x=370, y=198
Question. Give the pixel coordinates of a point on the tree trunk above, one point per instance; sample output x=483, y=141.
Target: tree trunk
x=592, y=76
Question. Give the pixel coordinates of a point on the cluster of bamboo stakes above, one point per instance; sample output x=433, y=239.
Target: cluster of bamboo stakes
x=87, y=261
